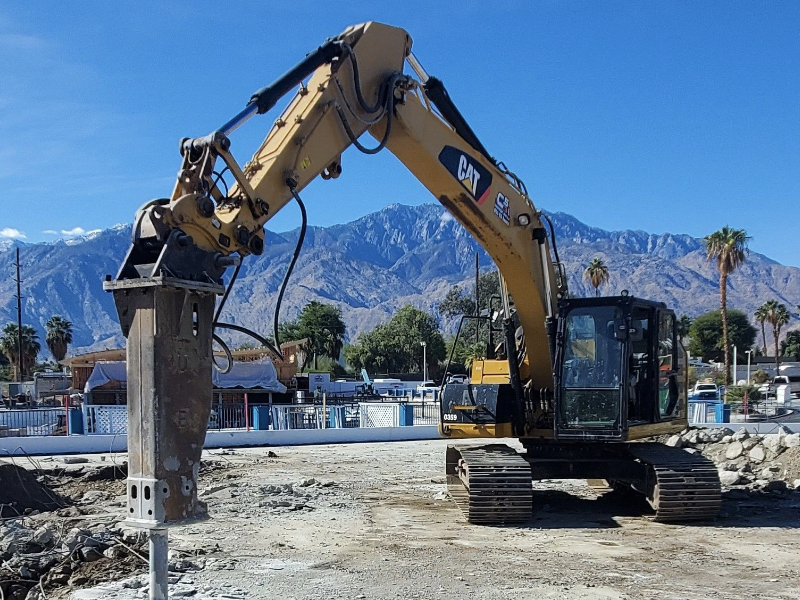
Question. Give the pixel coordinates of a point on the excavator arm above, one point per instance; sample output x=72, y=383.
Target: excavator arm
x=356, y=85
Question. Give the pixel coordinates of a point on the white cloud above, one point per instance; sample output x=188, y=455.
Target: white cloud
x=11, y=233
x=72, y=233
x=16, y=41
x=75, y=231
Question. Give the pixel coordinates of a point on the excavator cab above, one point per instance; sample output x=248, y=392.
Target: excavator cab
x=618, y=369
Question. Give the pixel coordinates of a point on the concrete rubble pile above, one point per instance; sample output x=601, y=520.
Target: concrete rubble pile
x=51, y=542
x=291, y=496
x=46, y=551
x=752, y=462
x=21, y=492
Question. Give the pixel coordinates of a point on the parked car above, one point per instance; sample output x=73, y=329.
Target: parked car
x=458, y=378
x=793, y=381
x=427, y=385
x=705, y=391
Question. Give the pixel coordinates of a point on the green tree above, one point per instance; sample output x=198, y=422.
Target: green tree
x=777, y=316
x=729, y=247
x=761, y=318
x=58, y=337
x=30, y=346
x=474, y=337
x=596, y=274
x=5, y=368
x=760, y=376
x=790, y=346
x=326, y=363
x=684, y=324
x=394, y=347
x=465, y=354
x=459, y=301
x=707, y=336
x=322, y=326
x=735, y=394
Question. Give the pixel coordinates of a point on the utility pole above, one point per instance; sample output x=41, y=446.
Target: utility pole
x=19, y=324
x=477, y=301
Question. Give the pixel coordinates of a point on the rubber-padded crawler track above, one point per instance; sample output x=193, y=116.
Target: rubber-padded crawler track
x=491, y=484
x=681, y=486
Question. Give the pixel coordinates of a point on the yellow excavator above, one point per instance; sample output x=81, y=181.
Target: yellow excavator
x=576, y=380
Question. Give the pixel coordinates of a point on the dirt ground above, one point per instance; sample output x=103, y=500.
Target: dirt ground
x=374, y=521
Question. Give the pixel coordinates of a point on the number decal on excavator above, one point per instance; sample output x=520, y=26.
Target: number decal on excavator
x=469, y=172
x=450, y=417
x=501, y=208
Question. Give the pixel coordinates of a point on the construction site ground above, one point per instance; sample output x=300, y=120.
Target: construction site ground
x=374, y=521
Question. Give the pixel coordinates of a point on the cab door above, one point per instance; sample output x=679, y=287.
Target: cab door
x=591, y=374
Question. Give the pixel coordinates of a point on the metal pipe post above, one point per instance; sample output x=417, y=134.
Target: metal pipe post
x=749, y=352
x=159, y=564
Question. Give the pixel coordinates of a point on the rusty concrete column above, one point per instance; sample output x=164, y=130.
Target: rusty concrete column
x=168, y=323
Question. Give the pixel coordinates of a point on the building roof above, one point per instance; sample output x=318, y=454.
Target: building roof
x=243, y=375
x=89, y=359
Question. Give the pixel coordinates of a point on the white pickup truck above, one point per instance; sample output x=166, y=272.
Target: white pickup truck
x=704, y=391
x=787, y=375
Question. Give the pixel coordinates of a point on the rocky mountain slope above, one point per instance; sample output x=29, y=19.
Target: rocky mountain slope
x=373, y=266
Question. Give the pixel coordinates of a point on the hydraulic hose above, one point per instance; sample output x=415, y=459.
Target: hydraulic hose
x=293, y=188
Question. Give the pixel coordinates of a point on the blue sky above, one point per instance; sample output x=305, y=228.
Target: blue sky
x=661, y=116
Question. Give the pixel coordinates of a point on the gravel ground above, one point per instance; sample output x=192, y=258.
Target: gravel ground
x=374, y=521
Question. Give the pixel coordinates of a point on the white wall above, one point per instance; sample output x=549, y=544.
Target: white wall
x=87, y=444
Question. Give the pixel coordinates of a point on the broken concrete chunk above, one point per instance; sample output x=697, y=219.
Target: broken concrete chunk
x=750, y=442
x=757, y=454
x=735, y=450
x=773, y=444
x=791, y=440
x=42, y=536
x=675, y=441
x=728, y=478
x=740, y=435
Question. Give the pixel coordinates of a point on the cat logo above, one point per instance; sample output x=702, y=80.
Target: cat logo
x=469, y=172
x=468, y=175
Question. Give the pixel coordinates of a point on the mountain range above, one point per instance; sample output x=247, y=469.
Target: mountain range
x=375, y=265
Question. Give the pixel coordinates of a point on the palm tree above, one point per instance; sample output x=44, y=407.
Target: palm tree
x=59, y=336
x=778, y=316
x=684, y=324
x=761, y=318
x=30, y=346
x=729, y=247
x=596, y=274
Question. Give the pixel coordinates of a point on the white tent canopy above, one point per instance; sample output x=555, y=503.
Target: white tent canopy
x=260, y=375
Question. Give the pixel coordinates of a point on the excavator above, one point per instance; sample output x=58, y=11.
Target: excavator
x=579, y=383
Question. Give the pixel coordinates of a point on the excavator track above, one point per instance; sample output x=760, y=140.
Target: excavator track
x=491, y=484
x=680, y=486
